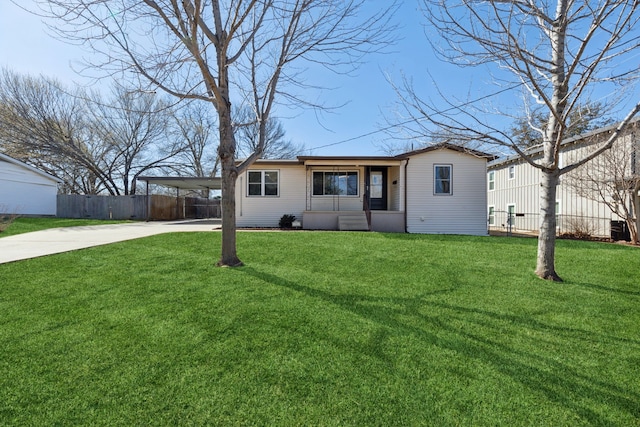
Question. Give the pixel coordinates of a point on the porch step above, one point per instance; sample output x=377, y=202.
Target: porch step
x=353, y=222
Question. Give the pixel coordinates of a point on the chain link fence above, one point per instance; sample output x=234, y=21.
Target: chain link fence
x=579, y=226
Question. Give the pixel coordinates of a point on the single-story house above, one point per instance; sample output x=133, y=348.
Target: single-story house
x=586, y=198
x=25, y=190
x=440, y=189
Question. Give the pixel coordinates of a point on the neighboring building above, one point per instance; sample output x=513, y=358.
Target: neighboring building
x=514, y=196
x=25, y=190
x=440, y=190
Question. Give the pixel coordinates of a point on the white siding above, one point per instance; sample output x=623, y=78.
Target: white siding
x=395, y=190
x=266, y=211
x=462, y=212
x=24, y=191
x=523, y=192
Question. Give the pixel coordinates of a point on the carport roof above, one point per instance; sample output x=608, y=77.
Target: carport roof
x=185, y=182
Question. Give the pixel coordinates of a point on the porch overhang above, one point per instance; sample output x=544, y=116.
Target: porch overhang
x=350, y=161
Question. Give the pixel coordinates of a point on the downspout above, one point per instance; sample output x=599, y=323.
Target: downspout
x=406, y=226
x=241, y=192
x=636, y=198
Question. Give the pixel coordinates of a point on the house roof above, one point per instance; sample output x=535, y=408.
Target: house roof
x=404, y=156
x=347, y=158
x=215, y=183
x=448, y=146
x=568, y=141
x=8, y=159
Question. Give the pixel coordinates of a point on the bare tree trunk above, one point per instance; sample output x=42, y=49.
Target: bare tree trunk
x=229, y=257
x=545, y=267
x=226, y=152
x=547, y=238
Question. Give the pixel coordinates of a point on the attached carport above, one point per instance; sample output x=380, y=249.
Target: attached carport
x=186, y=183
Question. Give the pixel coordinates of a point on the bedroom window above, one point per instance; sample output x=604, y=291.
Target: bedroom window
x=335, y=183
x=442, y=179
x=262, y=183
x=492, y=180
x=512, y=172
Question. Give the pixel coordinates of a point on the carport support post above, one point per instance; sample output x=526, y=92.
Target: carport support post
x=177, y=202
x=148, y=203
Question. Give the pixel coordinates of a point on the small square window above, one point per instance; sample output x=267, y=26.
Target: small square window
x=262, y=183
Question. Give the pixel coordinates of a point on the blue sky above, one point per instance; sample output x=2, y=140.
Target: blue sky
x=25, y=47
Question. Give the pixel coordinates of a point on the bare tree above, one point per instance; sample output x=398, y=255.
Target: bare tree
x=275, y=144
x=195, y=125
x=556, y=53
x=613, y=178
x=44, y=125
x=136, y=128
x=588, y=118
x=93, y=145
x=236, y=51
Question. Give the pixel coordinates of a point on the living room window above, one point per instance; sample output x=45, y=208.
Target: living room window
x=335, y=183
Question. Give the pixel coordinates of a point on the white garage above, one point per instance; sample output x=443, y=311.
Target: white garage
x=25, y=190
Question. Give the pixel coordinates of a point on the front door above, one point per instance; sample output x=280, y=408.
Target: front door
x=377, y=188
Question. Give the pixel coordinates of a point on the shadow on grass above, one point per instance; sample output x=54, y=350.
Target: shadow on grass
x=606, y=289
x=561, y=383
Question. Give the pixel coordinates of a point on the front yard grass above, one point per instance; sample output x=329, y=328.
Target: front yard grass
x=321, y=329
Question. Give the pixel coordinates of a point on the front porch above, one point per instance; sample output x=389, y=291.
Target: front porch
x=383, y=221
x=354, y=194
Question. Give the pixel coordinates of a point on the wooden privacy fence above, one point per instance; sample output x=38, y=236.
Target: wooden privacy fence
x=136, y=207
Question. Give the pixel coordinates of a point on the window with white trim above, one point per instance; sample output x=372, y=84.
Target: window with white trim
x=492, y=215
x=512, y=172
x=492, y=180
x=262, y=183
x=442, y=179
x=342, y=183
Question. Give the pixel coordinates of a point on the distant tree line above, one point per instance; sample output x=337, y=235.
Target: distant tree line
x=101, y=143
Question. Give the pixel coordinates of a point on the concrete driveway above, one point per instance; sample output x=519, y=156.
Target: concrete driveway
x=57, y=240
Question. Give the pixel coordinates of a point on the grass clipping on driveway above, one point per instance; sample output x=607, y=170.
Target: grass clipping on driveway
x=321, y=329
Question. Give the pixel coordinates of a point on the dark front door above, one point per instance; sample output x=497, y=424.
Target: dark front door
x=377, y=188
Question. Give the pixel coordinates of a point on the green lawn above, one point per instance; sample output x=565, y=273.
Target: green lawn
x=28, y=224
x=322, y=329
